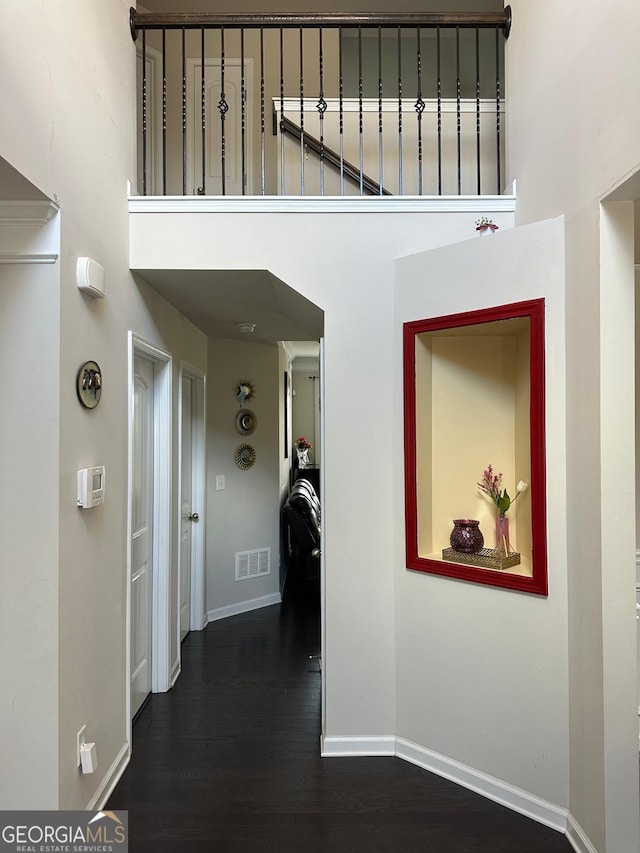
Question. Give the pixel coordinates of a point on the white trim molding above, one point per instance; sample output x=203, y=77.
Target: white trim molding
x=333, y=747
x=197, y=616
x=243, y=607
x=577, y=837
x=475, y=780
x=486, y=204
x=26, y=258
x=27, y=212
x=111, y=779
x=162, y=472
x=494, y=789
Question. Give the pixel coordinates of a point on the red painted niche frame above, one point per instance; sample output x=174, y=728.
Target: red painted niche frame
x=533, y=309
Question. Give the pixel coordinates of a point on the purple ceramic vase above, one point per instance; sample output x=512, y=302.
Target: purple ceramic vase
x=466, y=536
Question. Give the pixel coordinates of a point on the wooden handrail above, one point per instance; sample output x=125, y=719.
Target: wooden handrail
x=205, y=20
x=330, y=156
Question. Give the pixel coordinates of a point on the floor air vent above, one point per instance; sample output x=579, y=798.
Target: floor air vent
x=252, y=564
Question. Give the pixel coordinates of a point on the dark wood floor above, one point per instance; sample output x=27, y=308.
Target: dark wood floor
x=229, y=761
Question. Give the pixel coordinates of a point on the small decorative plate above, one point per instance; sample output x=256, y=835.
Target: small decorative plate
x=245, y=456
x=246, y=421
x=89, y=384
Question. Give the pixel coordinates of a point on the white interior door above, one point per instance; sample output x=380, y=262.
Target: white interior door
x=233, y=140
x=141, y=533
x=187, y=516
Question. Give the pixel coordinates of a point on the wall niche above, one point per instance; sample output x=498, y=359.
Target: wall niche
x=474, y=396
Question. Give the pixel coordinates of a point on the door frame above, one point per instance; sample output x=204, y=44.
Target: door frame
x=197, y=616
x=323, y=582
x=161, y=558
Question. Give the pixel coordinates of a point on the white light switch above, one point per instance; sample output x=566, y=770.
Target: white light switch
x=219, y=482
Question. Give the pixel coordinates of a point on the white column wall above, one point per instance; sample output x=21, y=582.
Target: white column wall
x=482, y=672
x=568, y=150
x=29, y=435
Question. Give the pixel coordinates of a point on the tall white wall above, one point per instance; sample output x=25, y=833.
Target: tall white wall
x=245, y=515
x=567, y=152
x=71, y=132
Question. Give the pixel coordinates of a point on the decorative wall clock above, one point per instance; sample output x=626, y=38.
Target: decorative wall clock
x=89, y=384
x=245, y=456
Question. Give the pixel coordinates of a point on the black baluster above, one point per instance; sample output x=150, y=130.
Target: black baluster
x=164, y=112
x=439, y=96
x=203, y=189
x=144, y=112
x=262, y=122
x=223, y=108
x=184, y=116
x=243, y=97
x=380, y=149
x=499, y=181
x=341, y=111
x=322, y=108
x=360, y=122
x=282, y=114
x=478, y=108
x=399, y=111
x=301, y=117
x=458, y=96
x=419, y=107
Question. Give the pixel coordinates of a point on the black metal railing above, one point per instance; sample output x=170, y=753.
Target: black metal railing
x=416, y=100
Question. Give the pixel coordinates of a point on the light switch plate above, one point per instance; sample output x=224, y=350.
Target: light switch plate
x=219, y=482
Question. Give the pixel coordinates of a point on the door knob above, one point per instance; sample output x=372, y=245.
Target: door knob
x=193, y=516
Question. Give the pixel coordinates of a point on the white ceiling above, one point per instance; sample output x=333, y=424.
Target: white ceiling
x=216, y=301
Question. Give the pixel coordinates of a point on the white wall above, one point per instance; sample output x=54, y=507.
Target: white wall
x=304, y=411
x=71, y=132
x=567, y=152
x=352, y=280
x=29, y=436
x=481, y=673
x=245, y=515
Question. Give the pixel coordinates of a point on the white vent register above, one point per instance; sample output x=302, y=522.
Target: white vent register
x=253, y=564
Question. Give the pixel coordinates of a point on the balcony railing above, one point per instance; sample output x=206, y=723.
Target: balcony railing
x=320, y=104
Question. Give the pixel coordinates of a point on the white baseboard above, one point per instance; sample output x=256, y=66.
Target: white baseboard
x=494, y=789
x=577, y=837
x=111, y=779
x=331, y=747
x=244, y=606
x=176, y=669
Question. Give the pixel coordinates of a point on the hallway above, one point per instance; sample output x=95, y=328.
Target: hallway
x=229, y=761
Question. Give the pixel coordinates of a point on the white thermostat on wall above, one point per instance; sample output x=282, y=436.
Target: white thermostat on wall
x=90, y=487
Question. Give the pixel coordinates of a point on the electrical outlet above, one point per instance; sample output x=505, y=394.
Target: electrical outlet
x=80, y=739
x=219, y=482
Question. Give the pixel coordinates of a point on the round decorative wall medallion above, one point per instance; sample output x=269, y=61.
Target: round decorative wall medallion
x=245, y=421
x=245, y=457
x=89, y=384
x=245, y=391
